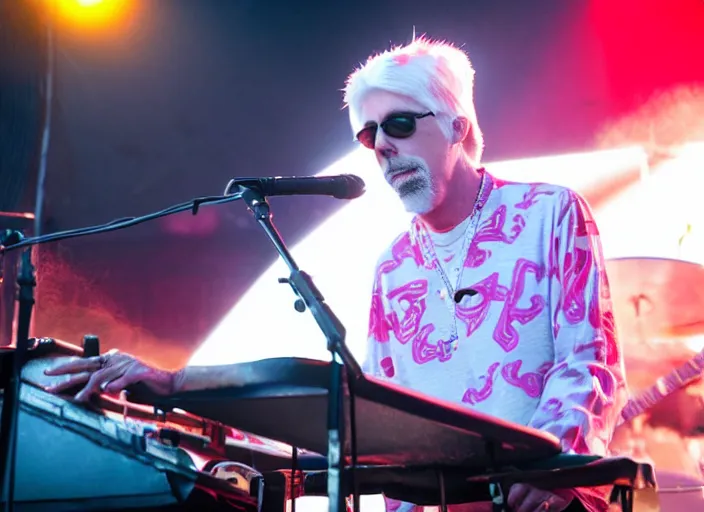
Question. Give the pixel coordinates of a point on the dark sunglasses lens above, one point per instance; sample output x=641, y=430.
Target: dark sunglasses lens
x=367, y=137
x=400, y=126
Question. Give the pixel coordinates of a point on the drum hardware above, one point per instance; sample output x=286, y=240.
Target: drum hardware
x=661, y=300
x=656, y=297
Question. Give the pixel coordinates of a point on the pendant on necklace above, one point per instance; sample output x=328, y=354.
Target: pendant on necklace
x=449, y=346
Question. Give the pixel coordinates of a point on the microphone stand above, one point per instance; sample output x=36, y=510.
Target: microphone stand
x=12, y=383
x=309, y=296
x=301, y=283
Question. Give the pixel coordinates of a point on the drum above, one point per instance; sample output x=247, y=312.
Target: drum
x=678, y=492
x=100, y=457
x=677, y=462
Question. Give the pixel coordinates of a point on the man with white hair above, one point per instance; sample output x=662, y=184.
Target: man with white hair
x=495, y=298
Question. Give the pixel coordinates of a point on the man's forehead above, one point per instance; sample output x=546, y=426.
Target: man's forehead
x=379, y=104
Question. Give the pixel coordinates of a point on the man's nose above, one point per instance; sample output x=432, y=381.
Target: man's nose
x=384, y=147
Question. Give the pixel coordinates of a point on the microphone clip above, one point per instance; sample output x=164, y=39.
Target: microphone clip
x=460, y=294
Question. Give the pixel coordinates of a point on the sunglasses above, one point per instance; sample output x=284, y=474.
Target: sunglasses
x=400, y=125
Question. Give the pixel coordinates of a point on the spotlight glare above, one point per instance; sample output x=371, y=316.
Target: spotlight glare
x=341, y=254
x=93, y=15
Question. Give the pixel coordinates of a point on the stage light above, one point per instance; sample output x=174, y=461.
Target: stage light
x=91, y=14
x=341, y=254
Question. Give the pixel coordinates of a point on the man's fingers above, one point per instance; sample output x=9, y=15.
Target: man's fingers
x=122, y=382
x=526, y=498
x=99, y=378
x=109, y=373
x=538, y=500
x=75, y=365
x=534, y=501
x=516, y=495
x=75, y=380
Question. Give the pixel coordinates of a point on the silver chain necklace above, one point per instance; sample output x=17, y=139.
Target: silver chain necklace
x=422, y=236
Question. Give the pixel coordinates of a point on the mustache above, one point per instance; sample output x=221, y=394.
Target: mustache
x=397, y=167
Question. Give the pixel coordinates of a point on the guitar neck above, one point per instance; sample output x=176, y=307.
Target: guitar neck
x=663, y=387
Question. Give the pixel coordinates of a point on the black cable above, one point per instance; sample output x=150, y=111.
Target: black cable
x=127, y=222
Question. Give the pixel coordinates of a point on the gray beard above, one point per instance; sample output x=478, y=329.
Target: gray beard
x=411, y=187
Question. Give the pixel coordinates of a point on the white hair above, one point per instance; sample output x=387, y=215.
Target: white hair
x=435, y=74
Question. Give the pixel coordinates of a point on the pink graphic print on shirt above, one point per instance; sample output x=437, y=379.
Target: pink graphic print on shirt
x=553, y=409
x=505, y=334
x=492, y=231
x=530, y=382
x=402, y=249
x=379, y=323
x=488, y=290
x=424, y=352
x=577, y=264
x=529, y=198
x=473, y=395
x=411, y=299
x=387, y=366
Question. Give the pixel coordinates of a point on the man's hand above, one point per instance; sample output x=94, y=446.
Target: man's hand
x=525, y=498
x=109, y=373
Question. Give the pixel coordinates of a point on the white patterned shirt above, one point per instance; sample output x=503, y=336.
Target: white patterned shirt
x=536, y=344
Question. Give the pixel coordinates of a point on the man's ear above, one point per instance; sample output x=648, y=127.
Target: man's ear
x=460, y=129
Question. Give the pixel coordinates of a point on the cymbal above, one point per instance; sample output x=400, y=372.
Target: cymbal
x=656, y=297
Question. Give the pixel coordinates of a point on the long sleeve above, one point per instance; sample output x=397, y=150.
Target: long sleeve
x=378, y=333
x=585, y=391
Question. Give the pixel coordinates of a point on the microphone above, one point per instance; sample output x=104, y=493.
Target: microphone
x=459, y=294
x=344, y=186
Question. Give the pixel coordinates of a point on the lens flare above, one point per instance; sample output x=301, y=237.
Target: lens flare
x=92, y=15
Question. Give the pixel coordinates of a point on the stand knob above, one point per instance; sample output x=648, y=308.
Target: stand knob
x=91, y=345
x=299, y=305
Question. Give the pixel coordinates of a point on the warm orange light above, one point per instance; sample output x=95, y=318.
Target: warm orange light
x=93, y=14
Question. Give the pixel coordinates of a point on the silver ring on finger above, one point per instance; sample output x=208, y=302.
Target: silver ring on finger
x=104, y=385
x=104, y=359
